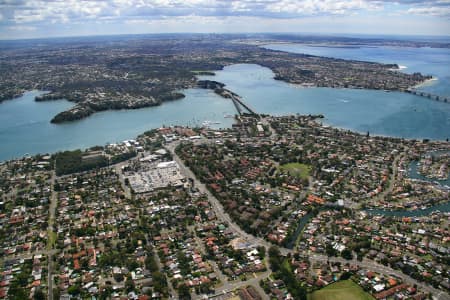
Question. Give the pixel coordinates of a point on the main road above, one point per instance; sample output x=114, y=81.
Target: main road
x=222, y=215
x=218, y=208
x=51, y=239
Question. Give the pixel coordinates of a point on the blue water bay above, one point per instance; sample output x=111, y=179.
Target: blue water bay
x=428, y=61
x=25, y=124
x=379, y=112
x=26, y=128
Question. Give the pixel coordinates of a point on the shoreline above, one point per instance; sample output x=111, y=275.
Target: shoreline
x=399, y=69
x=322, y=122
x=404, y=211
x=427, y=82
x=410, y=44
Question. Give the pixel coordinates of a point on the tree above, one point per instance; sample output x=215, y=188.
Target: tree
x=345, y=276
x=39, y=295
x=261, y=252
x=159, y=281
x=129, y=285
x=57, y=187
x=275, y=259
x=17, y=292
x=74, y=289
x=118, y=277
x=56, y=293
x=106, y=293
x=360, y=256
x=347, y=254
x=274, y=251
x=184, y=292
x=330, y=250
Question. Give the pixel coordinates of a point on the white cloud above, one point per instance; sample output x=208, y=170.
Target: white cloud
x=28, y=15
x=239, y=6
x=59, y=11
x=22, y=28
x=314, y=7
x=171, y=13
x=29, y=11
x=430, y=11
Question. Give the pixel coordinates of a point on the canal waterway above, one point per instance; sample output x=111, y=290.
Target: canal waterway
x=414, y=174
x=420, y=212
x=300, y=226
x=443, y=207
x=303, y=221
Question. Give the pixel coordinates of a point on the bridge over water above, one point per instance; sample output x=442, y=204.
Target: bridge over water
x=428, y=95
x=219, y=89
x=237, y=101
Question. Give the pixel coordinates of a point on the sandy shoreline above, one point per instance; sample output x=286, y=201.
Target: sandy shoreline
x=427, y=82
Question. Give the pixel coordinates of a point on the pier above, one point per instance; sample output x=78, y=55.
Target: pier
x=428, y=95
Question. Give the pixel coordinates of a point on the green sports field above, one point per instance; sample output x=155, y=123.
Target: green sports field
x=296, y=169
x=341, y=290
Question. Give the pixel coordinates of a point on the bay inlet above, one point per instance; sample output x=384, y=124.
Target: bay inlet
x=25, y=126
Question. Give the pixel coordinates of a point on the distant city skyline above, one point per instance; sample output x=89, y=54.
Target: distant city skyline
x=53, y=18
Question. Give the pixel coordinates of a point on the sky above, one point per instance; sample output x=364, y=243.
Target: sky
x=53, y=18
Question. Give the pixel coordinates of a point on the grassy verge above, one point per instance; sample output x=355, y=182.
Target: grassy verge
x=51, y=239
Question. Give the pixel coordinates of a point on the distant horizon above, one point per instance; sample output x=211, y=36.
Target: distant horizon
x=300, y=34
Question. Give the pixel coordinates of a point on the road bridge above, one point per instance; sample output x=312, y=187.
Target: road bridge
x=219, y=89
x=237, y=101
x=428, y=95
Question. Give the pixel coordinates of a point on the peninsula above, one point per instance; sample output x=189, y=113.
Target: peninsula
x=131, y=72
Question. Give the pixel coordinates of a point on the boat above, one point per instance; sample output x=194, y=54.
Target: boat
x=206, y=123
x=228, y=116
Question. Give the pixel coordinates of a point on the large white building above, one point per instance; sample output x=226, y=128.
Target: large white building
x=161, y=175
